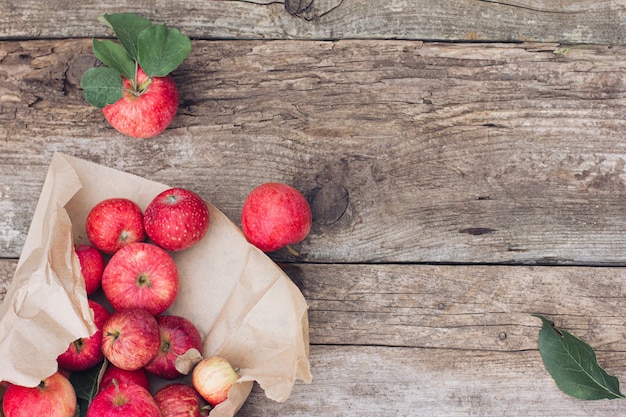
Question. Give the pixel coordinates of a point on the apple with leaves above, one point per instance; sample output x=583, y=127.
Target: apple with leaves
x=178, y=335
x=91, y=266
x=123, y=400
x=213, y=377
x=275, y=215
x=85, y=353
x=114, y=223
x=141, y=275
x=181, y=400
x=134, y=89
x=130, y=338
x=54, y=397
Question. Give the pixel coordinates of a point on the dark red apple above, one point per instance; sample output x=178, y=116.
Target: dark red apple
x=178, y=335
x=85, y=353
x=91, y=266
x=180, y=400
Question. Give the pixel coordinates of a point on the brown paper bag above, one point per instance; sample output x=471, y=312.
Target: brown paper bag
x=244, y=306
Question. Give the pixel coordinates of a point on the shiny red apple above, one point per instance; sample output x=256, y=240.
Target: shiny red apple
x=130, y=338
x=147, y=107
x=114, y=223
x=123, y=376
x=123, y=400
x=176, y=219
x=141, y=275
x=275, y=215
x=53, y=397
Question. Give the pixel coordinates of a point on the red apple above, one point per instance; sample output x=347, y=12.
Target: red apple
x=176, y=219
x=91, y=266
x=122, y=376
x=54, y=397
x=178, y=335
x=123, y=400
x=130, y=338
x=275, y=215
x=212, y=378
x=147, y=107
x=85, y=353
x=141, y=275
x=180, y=400
x=114, y=223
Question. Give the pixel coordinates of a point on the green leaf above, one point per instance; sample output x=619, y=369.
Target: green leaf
x=101, y=86
x=86, y=386
x=574, y=366
x=114, y=55
x=161, y=50
x=127, y=27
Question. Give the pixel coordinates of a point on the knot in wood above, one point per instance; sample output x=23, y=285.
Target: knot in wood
x=329, y=203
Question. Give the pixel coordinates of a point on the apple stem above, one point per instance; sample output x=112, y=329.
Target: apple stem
x=204, y=411
x=292, y=251
x=136, y=78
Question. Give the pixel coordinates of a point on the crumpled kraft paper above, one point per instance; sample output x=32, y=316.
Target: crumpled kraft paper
x=244, y=306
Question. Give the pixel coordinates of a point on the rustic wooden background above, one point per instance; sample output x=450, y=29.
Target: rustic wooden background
x=465, y=161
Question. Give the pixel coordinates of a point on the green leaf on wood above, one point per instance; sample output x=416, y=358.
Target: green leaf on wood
x=127, y=27
x=573, y=365
x=161, y=50
x=114, y=55
x=101, y=86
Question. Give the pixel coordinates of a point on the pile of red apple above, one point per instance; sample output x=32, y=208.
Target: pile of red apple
x=129, y=262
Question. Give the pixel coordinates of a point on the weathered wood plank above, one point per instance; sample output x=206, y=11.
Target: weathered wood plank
x=408, y=152
x=444, y=340
x=476, y=308
x=374, y=381
x=460, y=307
x=570, y=21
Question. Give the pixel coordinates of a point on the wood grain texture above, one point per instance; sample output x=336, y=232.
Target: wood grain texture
x=407, y=382
x=477, y=308
x=460, y=307
x=568, y=21
x=419, y=340
x=408, y=151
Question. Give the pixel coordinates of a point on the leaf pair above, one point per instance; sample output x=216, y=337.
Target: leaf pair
x=574, y=366
x=157, y=49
